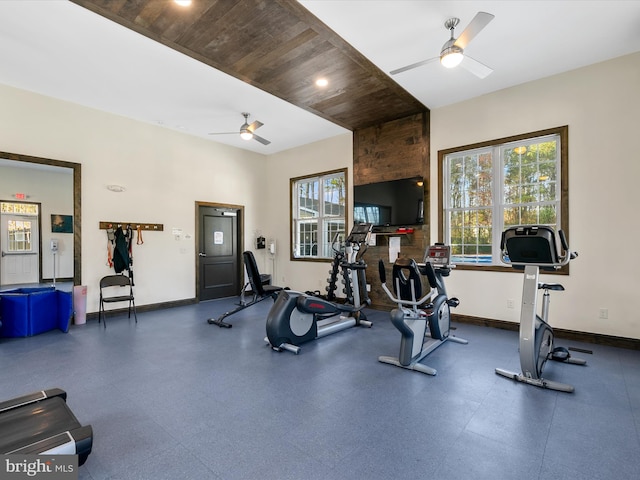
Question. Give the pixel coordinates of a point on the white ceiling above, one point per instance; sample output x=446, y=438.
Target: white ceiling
x=64, y=51
x=527, y=39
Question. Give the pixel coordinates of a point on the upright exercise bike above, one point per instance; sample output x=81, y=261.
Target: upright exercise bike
x=297, y=317
x=532, y=247
x=423, y=321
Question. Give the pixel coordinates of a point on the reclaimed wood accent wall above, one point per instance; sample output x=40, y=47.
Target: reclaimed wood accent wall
x=391, y=151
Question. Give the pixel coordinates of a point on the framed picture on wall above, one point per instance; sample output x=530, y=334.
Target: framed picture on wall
x=61, y=223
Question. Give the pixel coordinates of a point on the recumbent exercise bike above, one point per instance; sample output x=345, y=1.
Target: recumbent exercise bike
x=532, y=247
x=423, y=321
x=297, y=317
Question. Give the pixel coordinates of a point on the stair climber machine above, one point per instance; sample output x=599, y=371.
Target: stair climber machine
x=297, y=317
x=423, y=321
x=532, y=247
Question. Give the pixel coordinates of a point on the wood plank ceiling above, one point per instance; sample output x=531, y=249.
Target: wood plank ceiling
x=275, y=45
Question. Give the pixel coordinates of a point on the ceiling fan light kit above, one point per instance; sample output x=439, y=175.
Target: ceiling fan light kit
x=247, y=130
x=451, y=56
x=452, y=52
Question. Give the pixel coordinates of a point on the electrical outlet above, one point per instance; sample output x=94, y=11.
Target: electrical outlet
x=604, y=313
x=510, y=303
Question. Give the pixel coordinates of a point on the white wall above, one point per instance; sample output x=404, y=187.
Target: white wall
x=600, y=104
x=165, y=173
x=54, y=191
x=323, y=156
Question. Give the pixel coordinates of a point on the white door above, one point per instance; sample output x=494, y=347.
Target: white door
x=20, y=246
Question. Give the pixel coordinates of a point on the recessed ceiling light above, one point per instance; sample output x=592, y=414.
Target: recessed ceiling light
x=183, y=3
x=322, y=82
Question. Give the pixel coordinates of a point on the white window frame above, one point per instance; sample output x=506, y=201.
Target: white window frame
x=326, y=223
x=497, y=149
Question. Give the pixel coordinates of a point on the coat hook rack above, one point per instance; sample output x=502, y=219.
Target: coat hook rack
x=147, y=227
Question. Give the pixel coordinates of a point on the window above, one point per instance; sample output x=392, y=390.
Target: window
x=19, y=232
x=318, y=213
x=491, y=186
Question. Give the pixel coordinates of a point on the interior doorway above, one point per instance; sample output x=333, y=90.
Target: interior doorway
x=219, y=250
x=8, y=159
x=20, y=256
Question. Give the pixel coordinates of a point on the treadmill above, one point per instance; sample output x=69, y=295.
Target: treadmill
x=42, y=423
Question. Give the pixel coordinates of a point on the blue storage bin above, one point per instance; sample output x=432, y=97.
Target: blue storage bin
x=30, y=311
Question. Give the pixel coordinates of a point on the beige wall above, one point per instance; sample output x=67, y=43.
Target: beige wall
x=600, y=104
x=165, y=173
x=323, y=156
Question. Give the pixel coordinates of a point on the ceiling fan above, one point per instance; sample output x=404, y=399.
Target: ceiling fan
x=452, y=52
x=247, y=131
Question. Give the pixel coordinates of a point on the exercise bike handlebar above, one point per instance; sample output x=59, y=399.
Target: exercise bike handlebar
x=565, y=246
x=414, y=303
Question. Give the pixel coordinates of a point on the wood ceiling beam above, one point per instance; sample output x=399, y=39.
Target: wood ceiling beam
x=277, y=46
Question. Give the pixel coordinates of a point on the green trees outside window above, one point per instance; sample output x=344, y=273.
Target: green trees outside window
x=494, y=185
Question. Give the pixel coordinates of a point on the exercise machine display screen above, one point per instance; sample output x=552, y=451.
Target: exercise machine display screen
x=438, y=255
x=359, y=233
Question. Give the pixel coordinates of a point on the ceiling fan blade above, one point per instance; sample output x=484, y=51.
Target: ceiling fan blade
x=480, y=70
x=413, y=65
x=477, y=24
x=261, y=140
x=254, y=126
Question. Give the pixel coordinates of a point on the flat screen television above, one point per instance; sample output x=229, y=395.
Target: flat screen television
x=393, y=203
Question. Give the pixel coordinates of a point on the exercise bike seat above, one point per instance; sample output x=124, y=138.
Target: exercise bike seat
x=551, y=286
x=406, y=279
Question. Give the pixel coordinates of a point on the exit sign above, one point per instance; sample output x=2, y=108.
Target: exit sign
x=20, y=196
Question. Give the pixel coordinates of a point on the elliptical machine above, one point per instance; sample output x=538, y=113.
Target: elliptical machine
x=423, y=326
x=297, y=317
x=532, y=247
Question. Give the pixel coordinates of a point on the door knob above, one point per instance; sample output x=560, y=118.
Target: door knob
x=202, y=254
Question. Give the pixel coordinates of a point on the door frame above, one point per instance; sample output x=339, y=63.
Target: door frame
x=197, y=240
x=77, y=203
